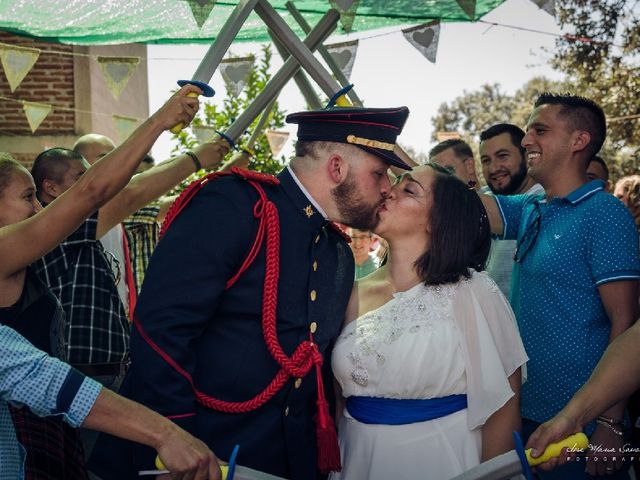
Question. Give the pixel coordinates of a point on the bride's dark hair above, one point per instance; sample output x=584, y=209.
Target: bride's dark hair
x=460, y=234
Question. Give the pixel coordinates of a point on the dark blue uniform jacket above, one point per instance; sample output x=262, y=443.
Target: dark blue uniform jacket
x=216, y=335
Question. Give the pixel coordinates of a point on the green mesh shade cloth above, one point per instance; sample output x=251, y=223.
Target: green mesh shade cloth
x=100, y=22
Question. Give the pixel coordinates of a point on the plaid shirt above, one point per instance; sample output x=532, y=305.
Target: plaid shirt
x=142, y=230
x=79, y=274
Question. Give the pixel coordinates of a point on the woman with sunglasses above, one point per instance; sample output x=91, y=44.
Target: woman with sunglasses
x=429, y=358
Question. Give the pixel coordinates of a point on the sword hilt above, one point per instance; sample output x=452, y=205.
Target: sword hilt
x=207, y=91
x=223, y=468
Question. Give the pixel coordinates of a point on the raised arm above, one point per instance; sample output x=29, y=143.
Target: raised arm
x=493, y=212
x=24, y=242
x=157, y=181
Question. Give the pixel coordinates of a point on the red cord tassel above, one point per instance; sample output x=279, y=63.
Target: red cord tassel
x=328, y=448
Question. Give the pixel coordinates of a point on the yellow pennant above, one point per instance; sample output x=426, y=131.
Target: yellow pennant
x=36, y=113
x=276, y=141
x=124, y=125
x=17, y=62
x=117, y=71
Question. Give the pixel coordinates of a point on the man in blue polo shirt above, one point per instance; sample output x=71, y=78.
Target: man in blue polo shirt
x=577, y=268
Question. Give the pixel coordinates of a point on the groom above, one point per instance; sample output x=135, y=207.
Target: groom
x=195, y=331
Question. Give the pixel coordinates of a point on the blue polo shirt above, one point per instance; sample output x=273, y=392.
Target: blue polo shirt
x=568, y=246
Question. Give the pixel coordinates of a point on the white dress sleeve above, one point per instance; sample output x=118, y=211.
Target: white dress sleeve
x=491, y=345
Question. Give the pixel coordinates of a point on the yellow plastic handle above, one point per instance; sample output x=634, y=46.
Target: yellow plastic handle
x=575, y=441
x=343, y=101
x=176, y=129
x=223, y=468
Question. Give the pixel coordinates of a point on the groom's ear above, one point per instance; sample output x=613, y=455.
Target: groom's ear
x=337, y=168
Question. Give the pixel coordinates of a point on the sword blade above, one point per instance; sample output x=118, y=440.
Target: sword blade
x=246, y=473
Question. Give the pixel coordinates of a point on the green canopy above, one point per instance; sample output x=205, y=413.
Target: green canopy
x=100, y=22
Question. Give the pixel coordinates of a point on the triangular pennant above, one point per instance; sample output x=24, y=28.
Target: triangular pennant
x=276, y=140
x=548, y=6
x=201, y=9
x=345, y=55
x=468, y=7
x=347, y=9
x=425, y=38
x=117, y=71
x=124, y=125
x=36, y=113
x=17, y=62
x=235, y=72
x=203, y=133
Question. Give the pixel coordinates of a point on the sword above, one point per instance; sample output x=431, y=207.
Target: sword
x=517, y=463
x=214, y=55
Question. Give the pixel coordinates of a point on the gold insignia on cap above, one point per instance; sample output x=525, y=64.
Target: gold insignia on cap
x=309, y=211
x=367, y=142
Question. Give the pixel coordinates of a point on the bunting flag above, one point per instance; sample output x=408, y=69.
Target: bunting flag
x=548, y=6
x=17, y=62
x=124, y=125
x=425, y=38
x=36, y=113
x=277, y=140
x=347, y=9
x=203, y=133
x=442, y=136
x=117, y=71
x=345, y=55
x=468, y=7
x=235, y=72
x=201, y=9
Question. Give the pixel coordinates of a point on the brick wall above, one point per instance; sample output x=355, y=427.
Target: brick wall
x=50, y=81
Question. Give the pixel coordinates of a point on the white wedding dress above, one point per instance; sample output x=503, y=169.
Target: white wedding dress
x=426, y=342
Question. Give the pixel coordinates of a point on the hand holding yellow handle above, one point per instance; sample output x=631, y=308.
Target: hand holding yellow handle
x=223, y=468
x=176, y=129
x=575, y=441
x=207, y=91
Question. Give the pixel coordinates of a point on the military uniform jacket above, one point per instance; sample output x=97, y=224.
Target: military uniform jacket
x=216, y=334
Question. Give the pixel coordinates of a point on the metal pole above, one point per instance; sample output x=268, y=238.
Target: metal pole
x=321, y=31
x=297, y=48
x=223, y=41
x=300, y=78
x=328, y=58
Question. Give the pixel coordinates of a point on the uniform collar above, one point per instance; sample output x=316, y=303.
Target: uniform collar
x=301, y=198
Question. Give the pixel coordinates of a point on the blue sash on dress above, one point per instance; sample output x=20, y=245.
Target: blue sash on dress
x=393, y=411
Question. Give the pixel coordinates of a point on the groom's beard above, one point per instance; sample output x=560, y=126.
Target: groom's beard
x=353, y=210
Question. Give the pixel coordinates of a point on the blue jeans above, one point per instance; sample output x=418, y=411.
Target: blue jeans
x=572, y=470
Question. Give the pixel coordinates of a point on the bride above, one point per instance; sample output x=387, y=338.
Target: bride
x=429, y=357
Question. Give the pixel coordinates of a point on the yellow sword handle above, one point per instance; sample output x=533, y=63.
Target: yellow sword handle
x=576, y=441
x=176, y=129
x=223, y=468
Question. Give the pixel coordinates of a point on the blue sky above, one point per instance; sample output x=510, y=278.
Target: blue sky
x=389, y=72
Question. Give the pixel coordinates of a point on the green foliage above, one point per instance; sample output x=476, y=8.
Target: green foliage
x=473, y=112
x=601, y=58
x=222, y=116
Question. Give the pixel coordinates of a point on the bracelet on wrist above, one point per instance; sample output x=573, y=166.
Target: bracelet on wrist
x=611, y=427
x=611, y=421
x=196, y=160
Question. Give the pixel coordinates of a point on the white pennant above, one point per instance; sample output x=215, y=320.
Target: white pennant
x=203, y=133
x=425, y=38
x=347, y=9
x=469, y=8
x=17, y=62
x=117, y=71
x=124, y=125
x=235, y=72
x=35, y=113
x=548, y=6
x=277, y=141
x=345, y=55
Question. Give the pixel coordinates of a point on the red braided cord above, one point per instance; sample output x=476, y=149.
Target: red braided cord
x=306, y=355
